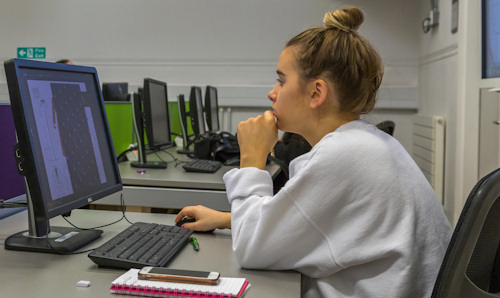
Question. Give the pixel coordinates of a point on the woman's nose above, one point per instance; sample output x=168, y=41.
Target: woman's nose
x=272, y=95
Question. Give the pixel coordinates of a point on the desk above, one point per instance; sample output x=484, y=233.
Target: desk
x=29, y=274
x=173, y=187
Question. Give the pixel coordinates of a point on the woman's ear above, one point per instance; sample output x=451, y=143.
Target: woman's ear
x=319, y=91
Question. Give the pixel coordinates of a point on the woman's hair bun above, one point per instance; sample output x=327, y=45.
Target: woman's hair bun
x=348, y=19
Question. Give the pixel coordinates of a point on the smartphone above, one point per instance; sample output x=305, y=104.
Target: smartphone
x=176, y=275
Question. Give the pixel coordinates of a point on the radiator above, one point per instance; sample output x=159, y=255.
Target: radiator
x=428, y=150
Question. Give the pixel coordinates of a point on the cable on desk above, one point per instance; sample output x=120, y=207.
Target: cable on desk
x=175, y=159
x=122, y=204
x=14, y=204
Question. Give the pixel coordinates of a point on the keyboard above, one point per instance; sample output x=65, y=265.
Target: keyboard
x=202, y=166
x=141, y=244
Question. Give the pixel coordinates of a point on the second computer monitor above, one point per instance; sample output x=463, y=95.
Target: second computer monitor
x=196, y=111
x=212, y=109
x=156, y=115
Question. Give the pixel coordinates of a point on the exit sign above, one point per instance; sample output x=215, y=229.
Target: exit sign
x=31, y=53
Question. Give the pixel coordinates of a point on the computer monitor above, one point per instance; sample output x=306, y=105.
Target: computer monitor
x=212, y=109
x=196, y=111
x=138, y=120
x=157, y=121
x=115, y=91
x=181, y=106
x=64, y=149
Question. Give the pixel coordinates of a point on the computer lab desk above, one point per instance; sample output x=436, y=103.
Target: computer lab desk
x=41, y=275
x=174, y=187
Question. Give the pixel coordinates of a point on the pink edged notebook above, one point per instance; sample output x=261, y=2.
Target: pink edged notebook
x=129, y=284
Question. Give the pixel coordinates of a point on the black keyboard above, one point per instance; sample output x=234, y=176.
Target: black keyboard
x=141, y=244
x=202, y=166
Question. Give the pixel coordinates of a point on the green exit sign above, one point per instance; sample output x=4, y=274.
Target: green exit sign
x=31, y=53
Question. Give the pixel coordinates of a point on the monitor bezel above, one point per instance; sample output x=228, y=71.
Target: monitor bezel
x=212, y=109
x=108, y=93
x=148, y=116
x=38, y=206
x=196, y=111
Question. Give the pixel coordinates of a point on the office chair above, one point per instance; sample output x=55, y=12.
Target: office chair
x=471, y=266
x=386, y=126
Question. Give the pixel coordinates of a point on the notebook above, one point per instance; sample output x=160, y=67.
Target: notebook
x=129, y=284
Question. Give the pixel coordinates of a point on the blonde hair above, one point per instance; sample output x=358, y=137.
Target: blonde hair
x=340, y=55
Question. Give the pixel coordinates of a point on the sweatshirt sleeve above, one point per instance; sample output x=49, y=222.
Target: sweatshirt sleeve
x=271, y=232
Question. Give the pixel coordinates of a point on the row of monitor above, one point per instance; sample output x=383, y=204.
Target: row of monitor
x=152, y=104
x=65, y=150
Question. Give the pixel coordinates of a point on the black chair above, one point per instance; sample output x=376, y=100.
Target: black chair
x=387, y=126
x=471, y=266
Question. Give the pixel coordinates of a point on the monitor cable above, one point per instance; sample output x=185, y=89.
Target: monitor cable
x=122, y=205
x=14, y=204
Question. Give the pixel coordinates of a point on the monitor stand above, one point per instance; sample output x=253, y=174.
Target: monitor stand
x=60, y=240
x=149, y=164
x=187, y=141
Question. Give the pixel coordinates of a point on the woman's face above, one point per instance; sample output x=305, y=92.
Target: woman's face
x=289, y=101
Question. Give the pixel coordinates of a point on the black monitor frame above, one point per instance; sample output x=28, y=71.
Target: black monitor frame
x=115, y=91
x=138, y=120
x=183, y=115
x=212, y=109
x=196, y=111
x=156, y=116
x=43, y=201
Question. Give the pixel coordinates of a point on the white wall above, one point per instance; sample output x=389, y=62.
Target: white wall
x=231, y=44
x=438, y=91
x=470, y=83
x=449, y=85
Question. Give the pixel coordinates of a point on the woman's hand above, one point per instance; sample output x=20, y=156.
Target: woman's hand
x=256, y=138
x=206, y=219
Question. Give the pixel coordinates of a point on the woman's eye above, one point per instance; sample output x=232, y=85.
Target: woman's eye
x=280, y=82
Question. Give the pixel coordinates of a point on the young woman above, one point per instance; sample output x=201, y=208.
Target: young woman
x=357, y=217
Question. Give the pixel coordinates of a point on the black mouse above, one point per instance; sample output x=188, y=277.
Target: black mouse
x=185, y=220
x=191, y=219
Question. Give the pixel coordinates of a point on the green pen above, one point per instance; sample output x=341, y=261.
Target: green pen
x=195, y=243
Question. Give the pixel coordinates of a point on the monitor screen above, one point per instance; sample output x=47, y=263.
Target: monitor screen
x=115, y=91
x=64, y=145
x=181, y=105
x=490, y=39
x=183, y=115
x=157, y=122
x=196, y=111
x=212, y=109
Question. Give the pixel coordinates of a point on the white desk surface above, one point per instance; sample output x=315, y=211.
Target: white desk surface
x=29, y=274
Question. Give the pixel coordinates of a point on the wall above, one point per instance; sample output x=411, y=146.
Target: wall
x=449, y=85
x=438, y=81
x=470, y=83
x=231, y=44
x=235, y=45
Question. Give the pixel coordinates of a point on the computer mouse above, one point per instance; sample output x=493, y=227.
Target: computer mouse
x=191, y=219
x=185, y=220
